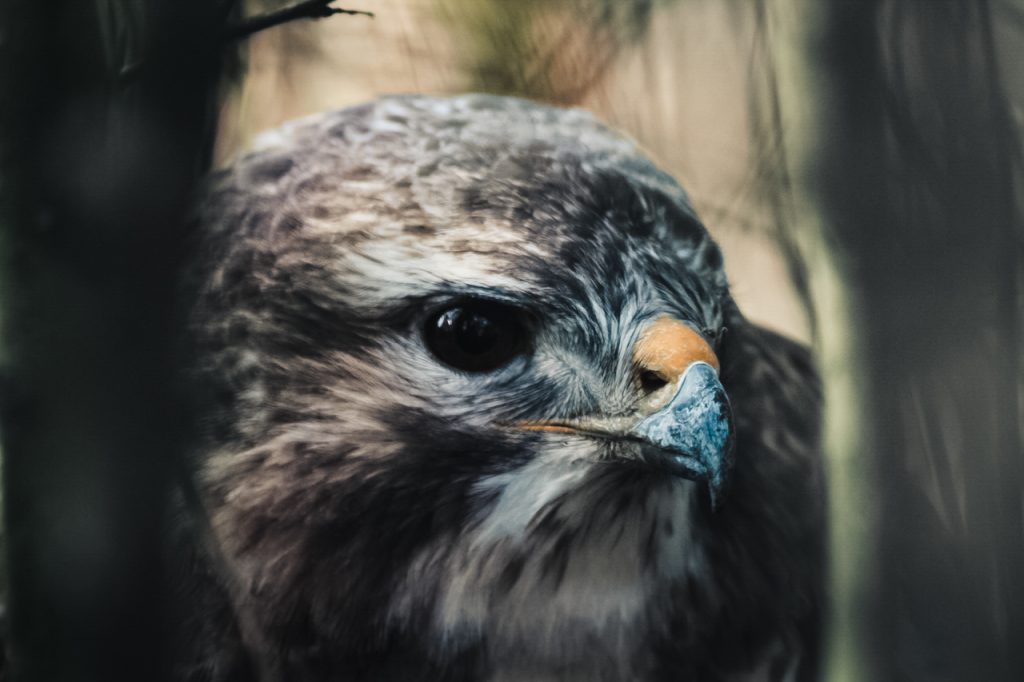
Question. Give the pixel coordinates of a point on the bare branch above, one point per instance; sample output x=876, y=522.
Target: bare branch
x=307, y=9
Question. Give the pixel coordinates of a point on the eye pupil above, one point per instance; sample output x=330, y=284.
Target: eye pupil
x=475, y=336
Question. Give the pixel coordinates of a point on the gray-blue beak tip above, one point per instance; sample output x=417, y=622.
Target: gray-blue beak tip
x=695, y=425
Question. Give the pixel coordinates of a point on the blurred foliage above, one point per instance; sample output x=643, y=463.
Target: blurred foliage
x=551, y=50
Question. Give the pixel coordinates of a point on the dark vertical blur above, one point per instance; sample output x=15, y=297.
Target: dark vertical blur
x=917, y=175
x=107, y=122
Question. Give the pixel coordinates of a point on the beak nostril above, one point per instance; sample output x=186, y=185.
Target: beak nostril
x=651, y=381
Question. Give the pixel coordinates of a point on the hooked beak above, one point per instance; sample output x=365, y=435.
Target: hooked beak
x=695, y=428
x=689, y=420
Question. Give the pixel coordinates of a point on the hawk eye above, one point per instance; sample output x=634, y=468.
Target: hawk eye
x=476, y=336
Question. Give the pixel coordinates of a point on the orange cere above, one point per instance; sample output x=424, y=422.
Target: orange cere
x=668, y=346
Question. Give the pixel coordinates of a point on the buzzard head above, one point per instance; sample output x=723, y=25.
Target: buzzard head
x=463, y=362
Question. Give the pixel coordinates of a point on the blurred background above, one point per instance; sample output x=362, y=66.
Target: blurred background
x=859, y=161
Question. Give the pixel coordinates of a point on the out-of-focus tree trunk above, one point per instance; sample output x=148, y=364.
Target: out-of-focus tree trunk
x=107, y=123
x=789, y=117
x=915, y=162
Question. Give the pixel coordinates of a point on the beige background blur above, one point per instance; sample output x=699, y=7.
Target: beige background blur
x=682, y=89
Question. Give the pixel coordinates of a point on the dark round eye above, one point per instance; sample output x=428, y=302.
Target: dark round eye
x=476, y=336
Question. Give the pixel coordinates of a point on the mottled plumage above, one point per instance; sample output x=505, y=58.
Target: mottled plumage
x=366, y=512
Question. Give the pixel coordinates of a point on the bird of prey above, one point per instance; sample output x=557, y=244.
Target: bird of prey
x=478, y=406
